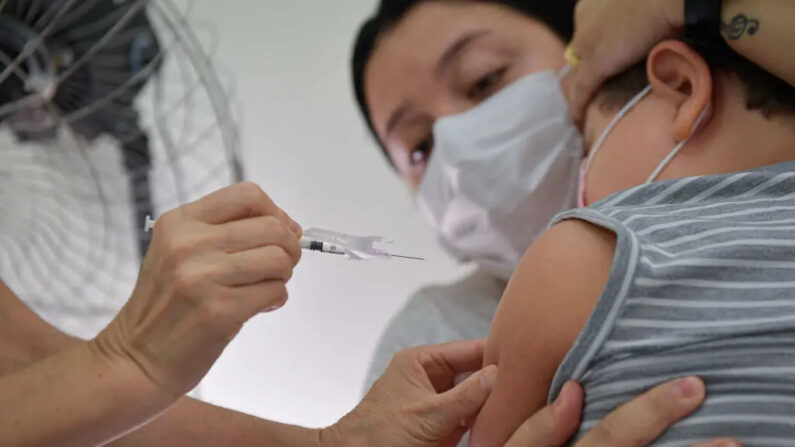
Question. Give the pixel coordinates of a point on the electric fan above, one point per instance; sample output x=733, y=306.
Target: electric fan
x=110, y=110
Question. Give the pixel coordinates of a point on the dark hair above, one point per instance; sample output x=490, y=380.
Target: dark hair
x=763, y=91
x=558, y=15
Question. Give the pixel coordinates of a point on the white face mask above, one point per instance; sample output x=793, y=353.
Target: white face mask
x=500, y=172
x=581, y=199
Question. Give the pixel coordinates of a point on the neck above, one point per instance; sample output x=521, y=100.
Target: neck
x=737, y=139
x=756, y=141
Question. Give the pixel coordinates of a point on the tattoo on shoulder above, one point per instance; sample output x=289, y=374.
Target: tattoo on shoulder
x=739, y=26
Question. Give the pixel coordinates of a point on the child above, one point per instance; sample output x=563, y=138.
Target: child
x=693, y=274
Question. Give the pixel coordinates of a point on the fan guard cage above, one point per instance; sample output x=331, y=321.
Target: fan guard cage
x=109, y=110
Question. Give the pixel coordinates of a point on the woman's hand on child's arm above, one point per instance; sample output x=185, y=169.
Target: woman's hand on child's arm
x=611, y=35
x=546, y=305
x=635, y=424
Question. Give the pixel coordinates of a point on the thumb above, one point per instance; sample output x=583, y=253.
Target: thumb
x=466, y=399
x=553, y=425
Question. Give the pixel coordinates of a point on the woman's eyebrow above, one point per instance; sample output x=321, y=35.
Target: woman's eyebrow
x=396, y=117
x=452, y=52
x=455, y=50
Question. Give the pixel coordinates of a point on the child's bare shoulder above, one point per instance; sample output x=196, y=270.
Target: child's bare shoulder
x=568, y=250
x=547, y=303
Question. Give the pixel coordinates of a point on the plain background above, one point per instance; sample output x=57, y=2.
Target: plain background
x=306, y=145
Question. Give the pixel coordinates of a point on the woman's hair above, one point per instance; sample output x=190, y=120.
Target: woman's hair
x=558, y=15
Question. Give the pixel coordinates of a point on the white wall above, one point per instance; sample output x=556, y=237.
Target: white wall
x=307, y=147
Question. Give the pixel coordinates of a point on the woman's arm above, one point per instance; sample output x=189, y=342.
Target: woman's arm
x=75, y=398
x=762, y=31
x=612, y=35
x=26, y=339
x=212, y=265
x=195, y=423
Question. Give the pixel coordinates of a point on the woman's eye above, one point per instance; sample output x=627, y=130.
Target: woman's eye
x=421, y=152
x=485, y=85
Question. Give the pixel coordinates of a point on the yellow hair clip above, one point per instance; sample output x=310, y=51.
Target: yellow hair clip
x=571, y=57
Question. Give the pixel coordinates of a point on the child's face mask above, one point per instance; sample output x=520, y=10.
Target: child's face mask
x=586, y=164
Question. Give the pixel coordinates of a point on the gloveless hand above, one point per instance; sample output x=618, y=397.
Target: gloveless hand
x=635, y=424
x=415, y=402
x=212, y=265
x=612, y=35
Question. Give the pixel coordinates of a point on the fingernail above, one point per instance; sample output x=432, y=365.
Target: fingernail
x=688, y=386
x=488, y=377
x=296, y=228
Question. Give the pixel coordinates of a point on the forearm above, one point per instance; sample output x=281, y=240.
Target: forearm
x=24, y=337
x=762, y=31
x=195, y=423
x=189, y=421
x=25, y=340
x=759, y=30
x=77, y=397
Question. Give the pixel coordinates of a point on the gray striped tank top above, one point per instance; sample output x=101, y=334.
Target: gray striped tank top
x=703, y=283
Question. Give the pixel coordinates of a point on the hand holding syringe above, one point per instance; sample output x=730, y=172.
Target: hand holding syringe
x=331, y=242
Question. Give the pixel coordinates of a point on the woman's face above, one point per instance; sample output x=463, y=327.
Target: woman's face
x=442, y=59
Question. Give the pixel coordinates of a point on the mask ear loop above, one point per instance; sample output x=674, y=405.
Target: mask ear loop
x=664, y=164
x=609, y=129
x=563, y=72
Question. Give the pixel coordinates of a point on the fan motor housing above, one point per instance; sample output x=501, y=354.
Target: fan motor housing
x=90, y=66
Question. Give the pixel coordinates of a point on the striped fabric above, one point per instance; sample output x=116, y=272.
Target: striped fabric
x=703, y=283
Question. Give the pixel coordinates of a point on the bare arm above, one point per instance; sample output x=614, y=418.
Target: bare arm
x=181, y=315
x=544, y=308
x=25, y=339
x=612, y=35
x=763, y=32
x=212, y=265
x=60, y=399
x=195, y=423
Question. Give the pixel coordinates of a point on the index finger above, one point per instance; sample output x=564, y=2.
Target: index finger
x=235, y=202
x=579, y=86
x=643, y=420
x=442, y=363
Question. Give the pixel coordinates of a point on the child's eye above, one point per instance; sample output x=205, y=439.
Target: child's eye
x=421, y=152
x=485, y=86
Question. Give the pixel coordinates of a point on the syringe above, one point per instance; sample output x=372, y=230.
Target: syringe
x=331, y=248
x=311, y=244
x=323, y=247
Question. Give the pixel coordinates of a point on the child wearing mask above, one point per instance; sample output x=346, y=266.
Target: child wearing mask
x=682, y=263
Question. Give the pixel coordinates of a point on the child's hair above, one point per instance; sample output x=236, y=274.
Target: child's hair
x=763, y=91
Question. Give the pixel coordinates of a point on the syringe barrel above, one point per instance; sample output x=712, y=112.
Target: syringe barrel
x=323, y=247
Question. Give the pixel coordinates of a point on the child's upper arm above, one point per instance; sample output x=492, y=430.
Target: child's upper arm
x=546, y=305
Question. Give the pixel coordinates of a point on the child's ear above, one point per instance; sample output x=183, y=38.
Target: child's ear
x=680, y=75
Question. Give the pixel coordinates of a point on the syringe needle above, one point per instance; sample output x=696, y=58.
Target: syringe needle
x=408, y=257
